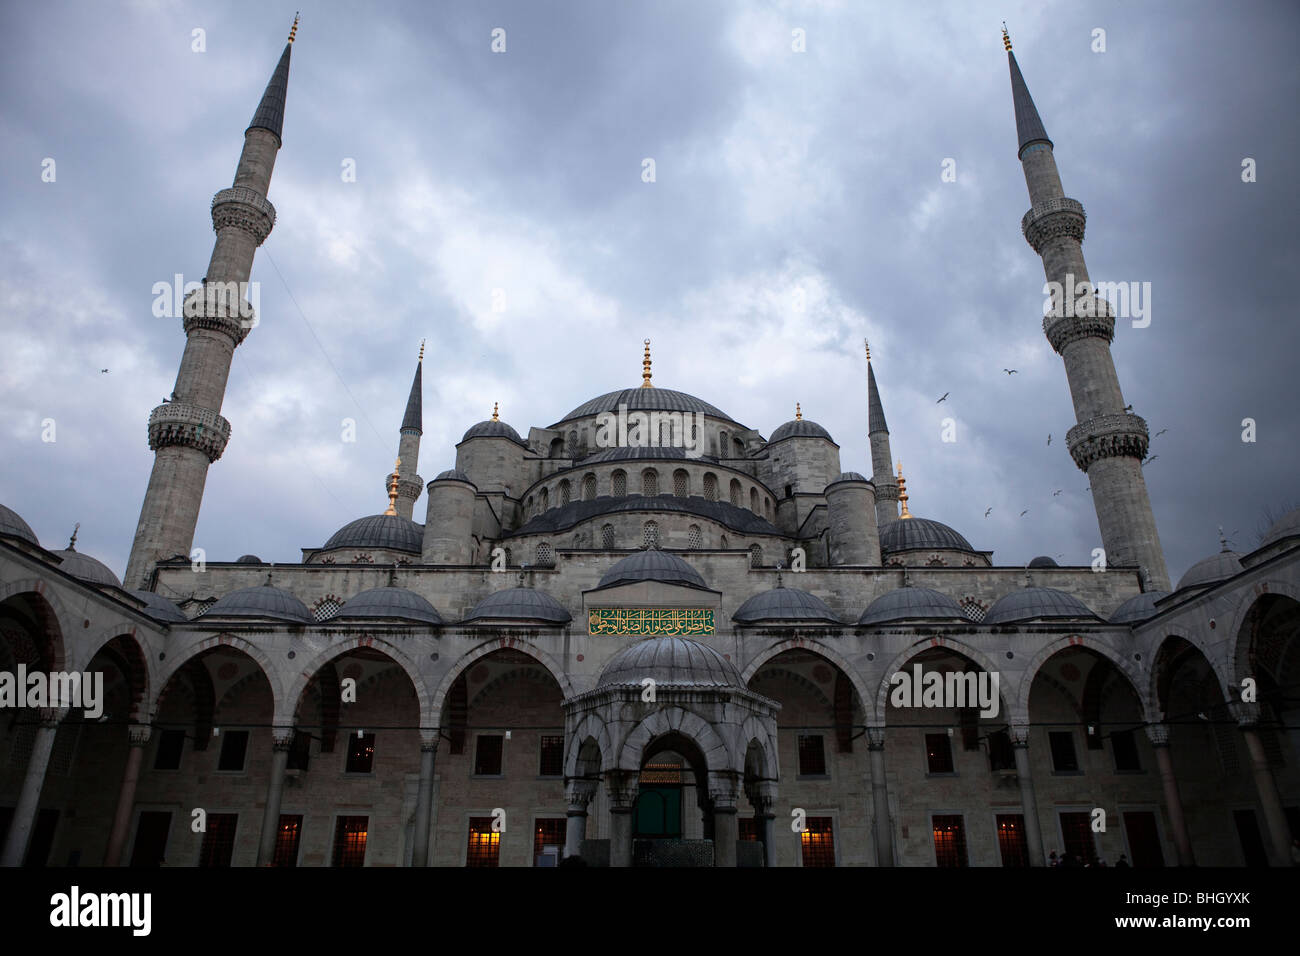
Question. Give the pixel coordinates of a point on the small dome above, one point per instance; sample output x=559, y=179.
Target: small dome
x=392, y=532
x=521, y=604
x=1211, y=570
x=158, y=607
x=1043, y=561
x=387, y=603
x=248, y=559
x=799, y=428
x=13, y=526
x=491, y=429
x=652, y=565
x=85, y=568
x=1031, y=604
x=851, y=476
x=1137, y=608
x=263, y=601
x=908, y=534
x=911, y=604
x=1286, y=526
x=669, y=662
x=785, y=604
x=453, y=474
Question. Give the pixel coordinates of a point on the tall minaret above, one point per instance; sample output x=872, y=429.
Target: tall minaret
x=409, y=483
x=1108, y=443
x=188, y=433
x=882, y=475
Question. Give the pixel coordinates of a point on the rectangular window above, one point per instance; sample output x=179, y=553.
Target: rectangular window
x=949, y=841
x=1124, y=745
x=1011, y=839
x=219, y=840
x=749, y=829
x=1143, y=838
x=552, y=756
x=171, y=744
x=818, y=842
x=234, y=748
x=350, y=841
x=938, y=753
x=547, y=833
x=484, y=843
x=1064, y=759
x=1002, y=756
x=361, y=753
x=812, y=756
x=299, y=751
x=151, y=838
x=1076, y=832
x=487, y=755
x=286, y=840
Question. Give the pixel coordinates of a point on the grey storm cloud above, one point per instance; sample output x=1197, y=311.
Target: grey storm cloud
x=781, y=177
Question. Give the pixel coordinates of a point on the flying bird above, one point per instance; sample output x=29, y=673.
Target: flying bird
x=987, y=513
x=945, y=396
x=1151, y=459
x=1057, y=492
x=1128, y=408
x=1161, y=432
x=1049, y=438
x=1025, y=512
x=1010, y=371
x=103, y=371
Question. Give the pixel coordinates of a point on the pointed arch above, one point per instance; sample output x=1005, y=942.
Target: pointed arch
x=298, y=684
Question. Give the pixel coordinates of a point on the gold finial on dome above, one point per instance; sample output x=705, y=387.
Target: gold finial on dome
x=867, y=345
x=293, y=30
x=421, y=358
x=798, y=412
x=1006, y=37
x=392, y=488
x=902, y=493
x=77, y=527
x=645, y=367
x=495, y=406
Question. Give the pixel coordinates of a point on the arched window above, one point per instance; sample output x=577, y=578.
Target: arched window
x=681, y=483
x=755, y=556
x=724, y=444
x=620, y=483
x=650, y=534
x=936, y=562
x=564, y=492
x=695, y=538
x=545, y=501
x=607, y=537
x=753, y=500
x=735, y=492
x=724, y=542
x=649, y=482
x=711, y=486
x=573, y=444
x=528, y=508
x=973, y=609
x=510, y=560
x=545, y=555
x=588, y=487
x=557, y=448
x=740, y=448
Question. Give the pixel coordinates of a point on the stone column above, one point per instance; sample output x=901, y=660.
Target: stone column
x=578, y=793
x=138, y=736
x=621, y=786
x=1033, y=831
x=424, y=797
x=762, y=797
x=1278, y=832
x=1159, y=737
x=281, y=742
x=884, y=831
x=24, y=818
x=724, y=794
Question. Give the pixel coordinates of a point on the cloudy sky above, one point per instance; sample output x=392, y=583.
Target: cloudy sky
x=780, y=177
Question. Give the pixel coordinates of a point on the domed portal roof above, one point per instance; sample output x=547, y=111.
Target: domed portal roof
x=652, y=565
x=670, y=662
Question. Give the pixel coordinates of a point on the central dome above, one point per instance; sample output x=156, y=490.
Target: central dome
x=644, y=400
x=909, y=534
x=670, y=662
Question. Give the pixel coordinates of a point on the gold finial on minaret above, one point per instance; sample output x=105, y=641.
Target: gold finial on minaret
x=902, y=493
x=495, y=406
x=293, y=30
x=867, y=345
x=1006, y=37
x=392, y=488
x=77, y=527
x=645, y=367
x=421, y=358
x=798, y=412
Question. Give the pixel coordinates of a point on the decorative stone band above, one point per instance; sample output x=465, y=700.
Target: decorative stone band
x=410, y=487
x=887, y=490
x=217, y=308
x=1062, y=330
x=1052, y=219
x=244, y=209
x=1107, y=436
x=176, y=423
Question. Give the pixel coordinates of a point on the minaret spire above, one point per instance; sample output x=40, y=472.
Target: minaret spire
x=1108, y=443
x=882, y=475
x=408, y=448
x=188, y=433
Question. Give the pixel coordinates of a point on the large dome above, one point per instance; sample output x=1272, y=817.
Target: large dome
x=1031, y=604
x=785, y=604
x=493, y=429
x=1211, y=570
x=651, y=565
x=908, y=534
x=12, y=525
x=392, y=532
x=911, y=604
x=644, y=400
x=799, y=428
x=669, y=662
x=387, y=604
x=1137, y=608
x=85, y=568
x=520, y=604
x=263, y=601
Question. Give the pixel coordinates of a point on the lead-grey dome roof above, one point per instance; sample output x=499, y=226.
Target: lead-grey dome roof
x=669, y=662
x=1284, y=527
x=85, y=568
x=521, y=604
x=799, y=428
x=248, y=559
x=644, y=400
x=1137, y=608
x=263, y=601
x=387, y=603
x=158, y=607
x=911, y=604
x=651, y=565
x=491, y=429
x=453, y=474
x=1030, y=604
x=644, y=452
x=851, y=476
x=1043, y=561
x=379, y=531
x=1211, y=570
x=12, y=524
x=907, y=534
x=785, y=604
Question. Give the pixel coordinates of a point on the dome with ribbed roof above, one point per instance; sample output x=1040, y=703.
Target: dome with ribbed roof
x=263, y=601
x=1032, y=604
x=493, y=429
x=248, y=559
x=785, y=604
x=453, y=474
x=670, y=662
x=652, y=565
x=389, y=603
x=392, y=532
x=911, y=604
x=12, y=525
x=1137, y=608
x=799, y=428
x=1043, y=561
x=1211, y=570
x=852, y=476
x=158, y=607
x=1287, y=526
x=644, y=400
x=520, y=604
x=85, y=568
x=909, y=534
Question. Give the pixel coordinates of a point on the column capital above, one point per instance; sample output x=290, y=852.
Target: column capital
x=1246, y=714
x=1158, y=734
x=430, y=737
x=282, y=738
x=578, y=794
x=1018, y=731
x=138, y=734
x=876, y=738
x=51, y=716
x=621, y=785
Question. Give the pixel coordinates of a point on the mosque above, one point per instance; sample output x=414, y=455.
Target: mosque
x=677, y=647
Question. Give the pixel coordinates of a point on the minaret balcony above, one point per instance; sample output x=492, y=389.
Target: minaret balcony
x=1053, y=219
x=1108, y=436
x=176, y=423
x=245, y=209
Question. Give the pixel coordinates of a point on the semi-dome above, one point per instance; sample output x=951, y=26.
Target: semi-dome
x=520, y=604
x=652, y=565
x=158, y=607
x=12, y=525
x=1211, y=570
x=1286, y=526
x=392, y=532
x=799, y=428
x=453, y=474
x=576, y=512
x=263, y=601
x=1031, y=604
x=1043, y=561
x=911, y=604
x=908, y=534
x=85, y=568
x=390, y=603
x=785, y=604
x=1138, y=608
x=669, y=662
x=644, y=400
x=248, y=559
x=493, y=429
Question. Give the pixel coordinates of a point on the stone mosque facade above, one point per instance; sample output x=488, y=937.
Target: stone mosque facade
x=648, y=635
